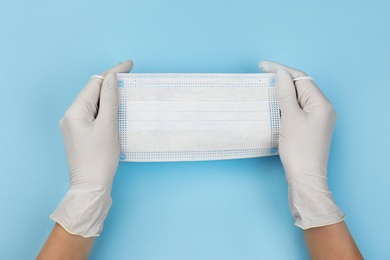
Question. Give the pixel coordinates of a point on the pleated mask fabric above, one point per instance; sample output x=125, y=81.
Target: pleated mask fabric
x=193, y=117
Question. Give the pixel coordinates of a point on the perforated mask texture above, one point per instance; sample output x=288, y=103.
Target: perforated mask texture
x=190, y=117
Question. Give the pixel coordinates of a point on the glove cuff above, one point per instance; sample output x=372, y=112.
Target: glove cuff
x=82, y=212
x=312, y=205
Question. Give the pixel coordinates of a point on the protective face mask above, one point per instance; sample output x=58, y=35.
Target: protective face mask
x=191, y=117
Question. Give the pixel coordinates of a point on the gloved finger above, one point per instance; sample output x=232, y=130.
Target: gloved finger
x=287, y=97
x=109, y=94
x=92, y=89
x=273, y=67
x=309, y=95
x=86, y=104
x=124, y=67
x=109, y=99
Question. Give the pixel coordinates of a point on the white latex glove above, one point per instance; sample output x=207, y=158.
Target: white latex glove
x=90, y=132
x=306, y=127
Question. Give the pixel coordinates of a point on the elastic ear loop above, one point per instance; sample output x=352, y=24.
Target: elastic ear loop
x=303, y=78
x=97, y=76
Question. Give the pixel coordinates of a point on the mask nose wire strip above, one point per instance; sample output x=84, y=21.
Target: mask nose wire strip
x=303, y=78
x=97, y=76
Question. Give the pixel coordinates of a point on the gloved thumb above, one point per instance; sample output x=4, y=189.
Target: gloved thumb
x=109, y=97
x=285, y=90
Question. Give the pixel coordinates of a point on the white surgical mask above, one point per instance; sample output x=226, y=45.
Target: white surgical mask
x=191, y=117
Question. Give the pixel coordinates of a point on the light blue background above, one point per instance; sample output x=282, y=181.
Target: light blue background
x=235, y=209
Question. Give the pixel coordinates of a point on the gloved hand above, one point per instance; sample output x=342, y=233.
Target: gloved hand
x=306, y=127
x=90, y=132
